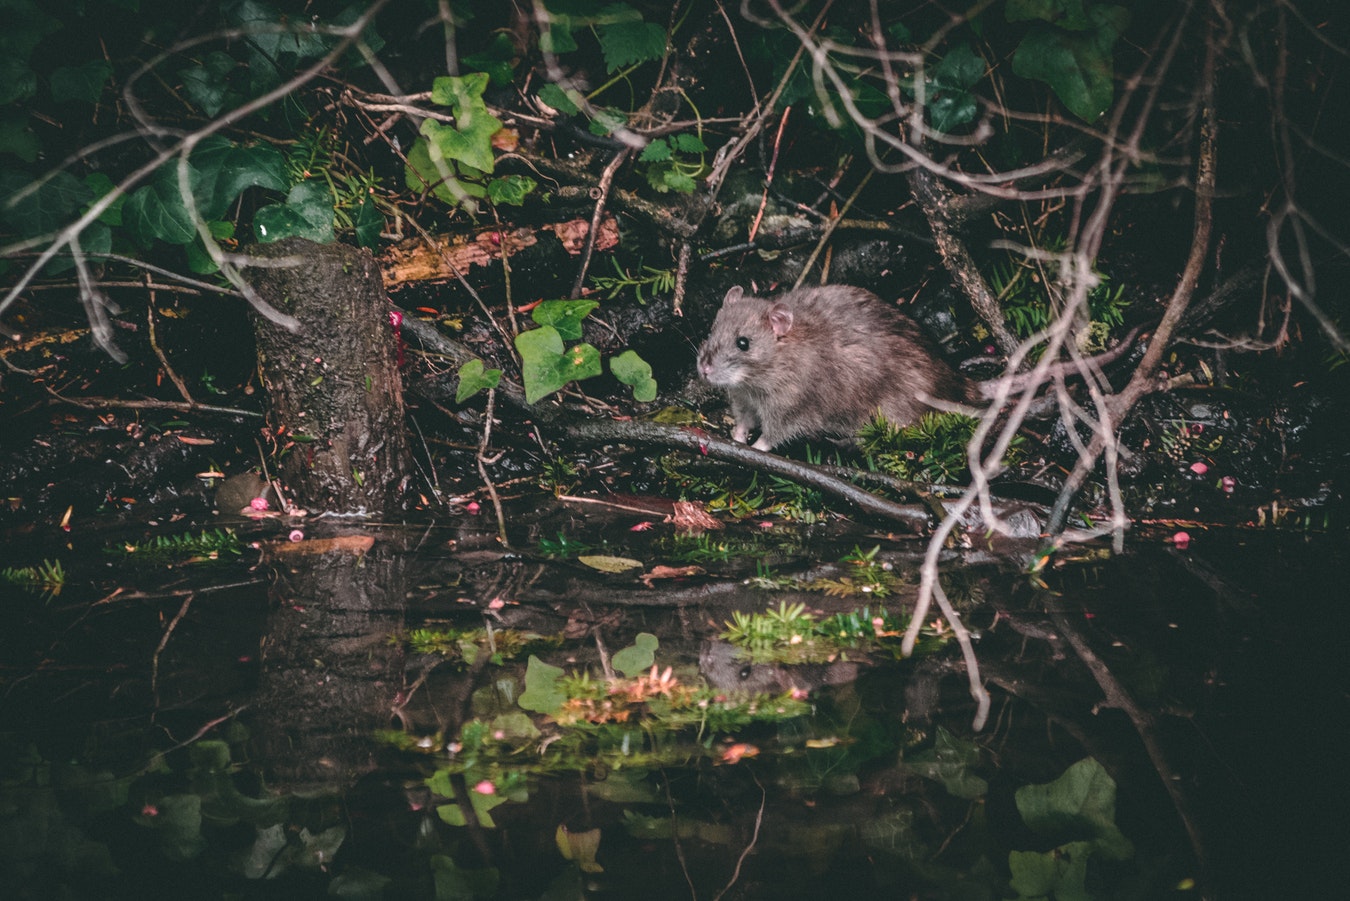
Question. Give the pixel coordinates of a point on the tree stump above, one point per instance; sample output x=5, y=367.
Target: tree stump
x=336, y=395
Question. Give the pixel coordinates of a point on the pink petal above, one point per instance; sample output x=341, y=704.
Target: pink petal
x=485, y=787
x=258, y=503
x=1199, y=468
x=1182, y=540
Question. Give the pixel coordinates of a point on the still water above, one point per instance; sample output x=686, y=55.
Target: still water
x=416, y=712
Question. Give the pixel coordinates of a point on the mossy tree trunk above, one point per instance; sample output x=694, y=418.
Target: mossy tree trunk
x=336, y=396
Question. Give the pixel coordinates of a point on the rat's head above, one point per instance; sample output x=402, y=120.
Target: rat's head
x=744, y=339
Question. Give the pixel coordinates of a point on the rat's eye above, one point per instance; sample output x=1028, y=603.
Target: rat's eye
x=743, y=343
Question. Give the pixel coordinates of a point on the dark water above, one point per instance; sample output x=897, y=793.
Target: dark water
x=221, y=729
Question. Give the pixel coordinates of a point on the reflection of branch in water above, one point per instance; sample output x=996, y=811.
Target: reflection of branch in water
x=163, y=643
x=754, y=839
x=675, y=837
x=1117, y=696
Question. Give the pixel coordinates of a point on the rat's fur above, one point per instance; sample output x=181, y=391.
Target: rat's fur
x=822, y=361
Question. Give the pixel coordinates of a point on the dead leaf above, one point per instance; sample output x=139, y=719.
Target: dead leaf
x=607, y=564
x=691, y=517
x=670, y=572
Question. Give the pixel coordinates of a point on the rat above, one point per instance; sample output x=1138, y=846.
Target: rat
x=822, y=361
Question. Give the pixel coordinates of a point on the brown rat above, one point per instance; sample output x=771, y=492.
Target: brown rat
x=822, y=361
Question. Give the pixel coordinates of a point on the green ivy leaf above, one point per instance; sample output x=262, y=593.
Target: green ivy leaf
x=546, y=368
x=1068, y=14
x=474, y=148
x=542, y=694
x=497, y=59
x=474, y=378
x=25, y=27
x=17, y=138
x=511, y=189
x=567, y=102
x=280, y=48
x=470, y=140
x=225, y=170
x=564, y=315
x=962, y=67
x=631, y=369
x=555, y=34
x=950, y=101
x=636, y=659
x=201, y=262
x=427, y=166
x=84, y=82
x=1077, y=66
x=156, y=212
x=1080, y=802
x=207, y=85
x=99, y=185
x=95, y=241
x=307, y=213
x=47, y=207
x=368, y=223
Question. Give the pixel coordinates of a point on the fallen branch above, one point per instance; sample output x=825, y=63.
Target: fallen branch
x=914, y=519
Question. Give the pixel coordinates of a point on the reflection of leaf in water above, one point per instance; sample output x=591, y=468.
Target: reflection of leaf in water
x=542, y=694
x=950, y=762
x=1081, y=802
x=453, y=814
x=580, y=847
x=1058, y=873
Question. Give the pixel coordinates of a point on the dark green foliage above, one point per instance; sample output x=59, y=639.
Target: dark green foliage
x=931, y=450
x=46, y=579
x=207, y=546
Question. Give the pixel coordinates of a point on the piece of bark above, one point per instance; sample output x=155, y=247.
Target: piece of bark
x=447, y=257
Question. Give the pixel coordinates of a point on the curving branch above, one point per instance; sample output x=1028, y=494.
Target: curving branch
x=610, y=432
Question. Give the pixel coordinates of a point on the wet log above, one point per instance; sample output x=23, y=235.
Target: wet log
x=444, y=258
x=336, y=399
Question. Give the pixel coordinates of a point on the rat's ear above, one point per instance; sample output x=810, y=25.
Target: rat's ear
x=780, y=319
x=733, y=295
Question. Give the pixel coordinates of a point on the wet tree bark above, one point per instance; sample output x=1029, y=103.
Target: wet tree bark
x=329, y=675
x=336, y=395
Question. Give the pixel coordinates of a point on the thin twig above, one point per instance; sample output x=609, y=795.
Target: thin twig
x=159, y=352
x=768, y=176
x=482, y=461
x=602, y=195
x=110, y=403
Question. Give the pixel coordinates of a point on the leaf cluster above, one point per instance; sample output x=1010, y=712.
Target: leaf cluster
x=548, y=365
x=931, y=450
x=207, y=546
x=46, y=579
